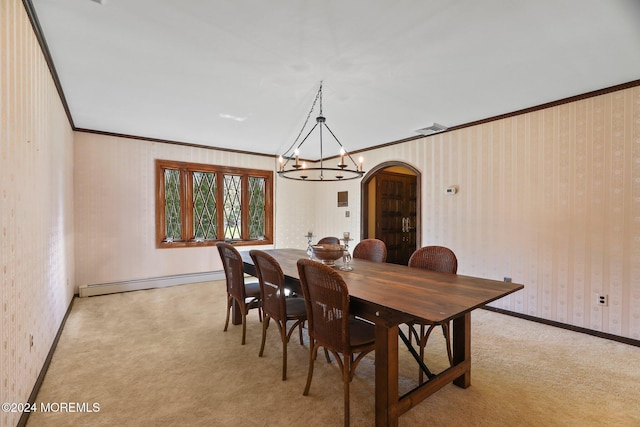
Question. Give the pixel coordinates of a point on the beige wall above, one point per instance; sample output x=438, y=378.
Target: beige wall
x=36, y=209
x=550, y=199
x=114, y=182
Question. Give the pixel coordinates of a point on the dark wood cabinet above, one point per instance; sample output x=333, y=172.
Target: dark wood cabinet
x=396, y=211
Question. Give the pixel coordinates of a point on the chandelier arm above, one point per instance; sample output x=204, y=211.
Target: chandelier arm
x=299, y=145
x=342, y=146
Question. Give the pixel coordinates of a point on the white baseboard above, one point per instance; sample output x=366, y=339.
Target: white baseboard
x=154, y=282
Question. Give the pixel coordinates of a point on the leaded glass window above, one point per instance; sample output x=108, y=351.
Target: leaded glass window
x=232, y=207
x=173, y=213
x=256, y=207
x=204, y=206
x=199, y=204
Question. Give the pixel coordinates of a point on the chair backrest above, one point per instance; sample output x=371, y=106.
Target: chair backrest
x=435, y=258
x=329, y=241
x=233, y=269
x=371, y=249
x=327, y=300
x=271, y=280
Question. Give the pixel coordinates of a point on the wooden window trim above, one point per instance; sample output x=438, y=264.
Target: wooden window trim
x=186, y=202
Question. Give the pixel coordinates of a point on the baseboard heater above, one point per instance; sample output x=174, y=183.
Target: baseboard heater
x=150, y=283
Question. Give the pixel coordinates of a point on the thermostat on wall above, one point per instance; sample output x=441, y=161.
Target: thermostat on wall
x=450, y=191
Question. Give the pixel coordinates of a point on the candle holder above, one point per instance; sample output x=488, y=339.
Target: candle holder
x=346, y=256
x=309, y=237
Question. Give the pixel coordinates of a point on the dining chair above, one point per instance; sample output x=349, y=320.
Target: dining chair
x=275, y=305
x=371, y=249
x=245, y=294
x=329, y=324
x=441, y=259
x=329, y=241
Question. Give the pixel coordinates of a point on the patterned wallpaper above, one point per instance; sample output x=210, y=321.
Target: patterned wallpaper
x=36, y=209
x=114, y=183
x=549, y=198
x=312, y=206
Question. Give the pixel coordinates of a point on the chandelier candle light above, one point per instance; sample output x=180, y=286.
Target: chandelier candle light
x=292, y=168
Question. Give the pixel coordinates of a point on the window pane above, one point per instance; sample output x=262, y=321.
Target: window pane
x=256, y=207
x=232, y=206
x=204, y=205
x=173, y=217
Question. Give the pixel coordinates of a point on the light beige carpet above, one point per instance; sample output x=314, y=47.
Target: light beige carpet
x=160, y=358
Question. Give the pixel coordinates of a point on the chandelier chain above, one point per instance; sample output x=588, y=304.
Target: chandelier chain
x=313, y=107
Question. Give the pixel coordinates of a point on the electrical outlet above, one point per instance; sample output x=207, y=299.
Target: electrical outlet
x=602, y=300
x=507, y=279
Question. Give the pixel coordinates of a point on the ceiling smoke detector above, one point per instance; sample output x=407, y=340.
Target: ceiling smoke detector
x=430, y=130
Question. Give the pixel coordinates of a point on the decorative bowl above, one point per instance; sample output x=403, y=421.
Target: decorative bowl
x=328, y=254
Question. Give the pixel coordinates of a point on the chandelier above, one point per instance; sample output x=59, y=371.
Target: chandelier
x=292, y=167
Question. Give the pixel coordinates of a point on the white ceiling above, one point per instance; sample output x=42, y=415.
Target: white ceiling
x=243, y=74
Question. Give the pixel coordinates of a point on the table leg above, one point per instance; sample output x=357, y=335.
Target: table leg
x=462, y=347
x=236, y=313
x=386, y=375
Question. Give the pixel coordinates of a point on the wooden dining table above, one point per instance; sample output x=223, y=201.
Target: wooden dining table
x=389, y=295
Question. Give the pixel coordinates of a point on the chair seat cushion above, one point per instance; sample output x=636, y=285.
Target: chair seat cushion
x=252, y=289
x=296, y=307
x=361, y=333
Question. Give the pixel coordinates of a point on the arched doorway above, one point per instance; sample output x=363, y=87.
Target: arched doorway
x=391, y=208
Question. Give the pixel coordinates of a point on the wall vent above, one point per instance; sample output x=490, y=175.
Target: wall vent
x=431, y=129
